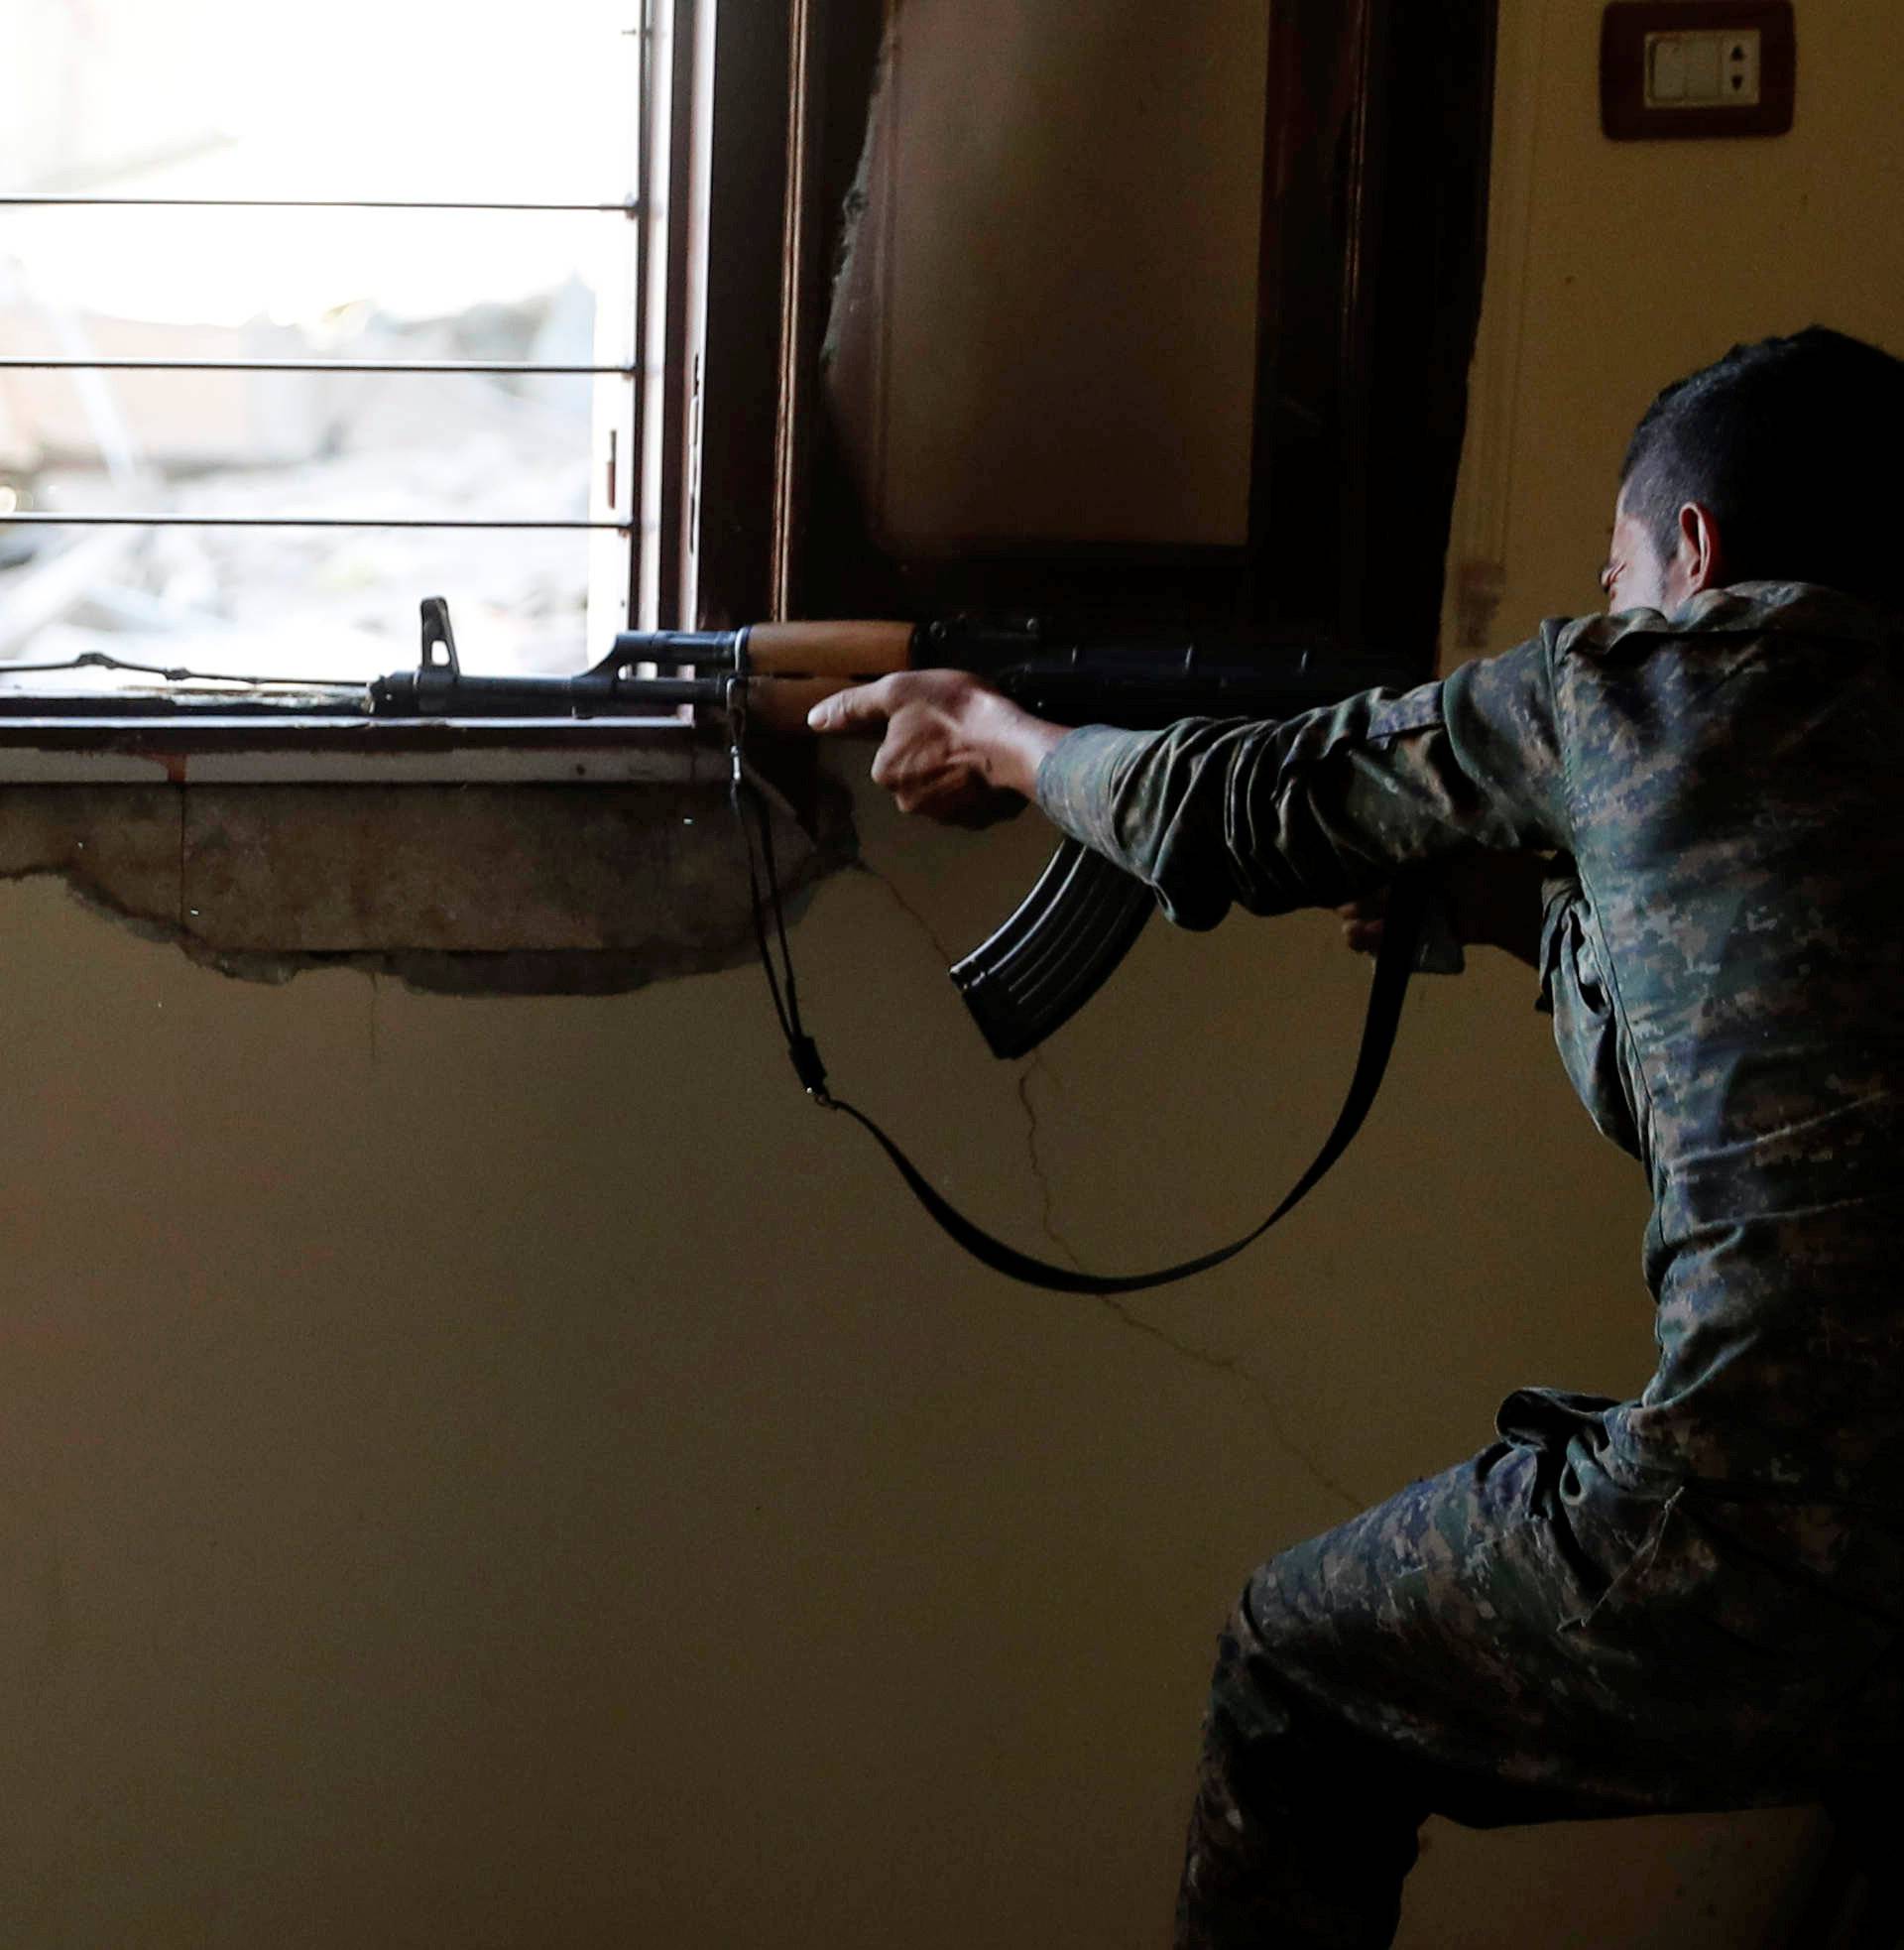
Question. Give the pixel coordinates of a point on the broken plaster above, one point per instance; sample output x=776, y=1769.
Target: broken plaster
x=465, y=890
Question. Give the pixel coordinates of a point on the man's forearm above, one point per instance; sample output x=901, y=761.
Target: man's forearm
x=1307, y=812
x=1314, y=810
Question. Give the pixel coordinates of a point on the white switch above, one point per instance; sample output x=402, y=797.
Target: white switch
x=1665, y=68
x=1702, y=70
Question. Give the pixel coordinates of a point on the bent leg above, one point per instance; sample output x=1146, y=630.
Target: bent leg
x=1336, y=1677
x=1494, y=1645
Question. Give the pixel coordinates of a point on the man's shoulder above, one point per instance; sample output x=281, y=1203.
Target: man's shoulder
x=1746, y=609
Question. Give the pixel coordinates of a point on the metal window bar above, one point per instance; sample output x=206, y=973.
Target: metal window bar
x=116, y=520
x=631, y=209
x=10, y=363
x=666, y=32
x=628, y=208
x=651, y=160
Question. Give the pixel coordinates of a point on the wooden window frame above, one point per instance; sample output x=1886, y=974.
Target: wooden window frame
x=1369, y=292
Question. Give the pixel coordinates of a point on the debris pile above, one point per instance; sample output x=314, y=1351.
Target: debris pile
x=321, y=602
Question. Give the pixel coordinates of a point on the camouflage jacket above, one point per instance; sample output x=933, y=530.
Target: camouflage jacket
x=1722, y=953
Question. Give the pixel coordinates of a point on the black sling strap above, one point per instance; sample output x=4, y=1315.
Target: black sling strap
x=1401, y=931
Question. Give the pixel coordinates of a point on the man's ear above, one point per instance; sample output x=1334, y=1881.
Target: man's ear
x=1698, y=561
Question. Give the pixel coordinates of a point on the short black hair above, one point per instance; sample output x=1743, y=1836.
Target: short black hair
x=1797, y=446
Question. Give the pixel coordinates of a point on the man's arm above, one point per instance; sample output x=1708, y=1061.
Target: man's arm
x=1326, y=807
x=1316, y=810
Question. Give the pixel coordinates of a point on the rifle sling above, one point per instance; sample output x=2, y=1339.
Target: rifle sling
x=1394, y=966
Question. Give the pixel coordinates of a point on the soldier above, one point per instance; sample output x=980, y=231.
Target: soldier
x=1685, y=811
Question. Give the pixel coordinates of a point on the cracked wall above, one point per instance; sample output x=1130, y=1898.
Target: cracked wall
x=497, y=1469
x=457, y=1441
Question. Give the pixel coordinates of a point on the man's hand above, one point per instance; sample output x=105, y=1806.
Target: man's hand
x=954, y=749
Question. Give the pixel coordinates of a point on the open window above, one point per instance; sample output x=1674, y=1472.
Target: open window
x=997, y=305
x=298, y=326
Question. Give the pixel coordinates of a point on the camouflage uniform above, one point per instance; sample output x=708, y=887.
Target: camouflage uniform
x=1688, y=1600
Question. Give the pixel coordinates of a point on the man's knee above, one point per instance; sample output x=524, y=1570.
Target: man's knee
x=1293, y=1837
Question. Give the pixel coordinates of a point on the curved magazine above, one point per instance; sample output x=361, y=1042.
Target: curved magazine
x=1055, y=953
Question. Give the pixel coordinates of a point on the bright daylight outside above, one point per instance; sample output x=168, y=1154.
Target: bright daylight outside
x=455, y=101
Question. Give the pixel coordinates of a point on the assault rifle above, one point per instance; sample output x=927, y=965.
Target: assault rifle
x=1083, y=915
x=1054, y=952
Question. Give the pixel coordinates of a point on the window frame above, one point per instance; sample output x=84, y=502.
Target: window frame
x=1378, y=133
x=701, y=206
x=752, y=121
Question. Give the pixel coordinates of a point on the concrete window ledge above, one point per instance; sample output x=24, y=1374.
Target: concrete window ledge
x=466, y=888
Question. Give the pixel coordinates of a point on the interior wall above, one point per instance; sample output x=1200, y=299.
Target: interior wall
x=1646, y=260
x=513, y=1473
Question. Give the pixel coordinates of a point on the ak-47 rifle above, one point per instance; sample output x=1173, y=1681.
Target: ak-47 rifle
x=1053, y=953
x=1083, y=915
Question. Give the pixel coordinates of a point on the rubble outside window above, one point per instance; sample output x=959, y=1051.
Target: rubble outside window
x=393, y=100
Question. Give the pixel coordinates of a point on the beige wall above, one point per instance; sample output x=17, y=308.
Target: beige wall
x=512, y=1474
x=1648, y=259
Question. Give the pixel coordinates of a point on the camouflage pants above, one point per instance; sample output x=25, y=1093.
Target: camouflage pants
x=1515, y=1640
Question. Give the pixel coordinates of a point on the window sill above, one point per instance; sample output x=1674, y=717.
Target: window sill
x=245, y=751
x=567, y=860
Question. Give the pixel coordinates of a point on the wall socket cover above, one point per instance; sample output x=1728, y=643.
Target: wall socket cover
x=1697, y=69
x=1692, y=69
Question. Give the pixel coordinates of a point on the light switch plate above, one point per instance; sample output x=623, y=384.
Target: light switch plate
x=1700, y=69
x=1697, y=69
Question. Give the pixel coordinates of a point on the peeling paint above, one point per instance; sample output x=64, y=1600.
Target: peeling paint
x=858, y=196
x=470, y=890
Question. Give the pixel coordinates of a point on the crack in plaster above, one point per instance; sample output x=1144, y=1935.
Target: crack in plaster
x=595, y=971
x=1231, y=1364
x=1047, y=1199
x=912, y=914
x=1253, y=1384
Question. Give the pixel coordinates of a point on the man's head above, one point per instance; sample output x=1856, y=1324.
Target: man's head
x=1784, y=461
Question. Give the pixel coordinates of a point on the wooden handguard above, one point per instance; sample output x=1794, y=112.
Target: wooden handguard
x=777, y=706
x=829, y=650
